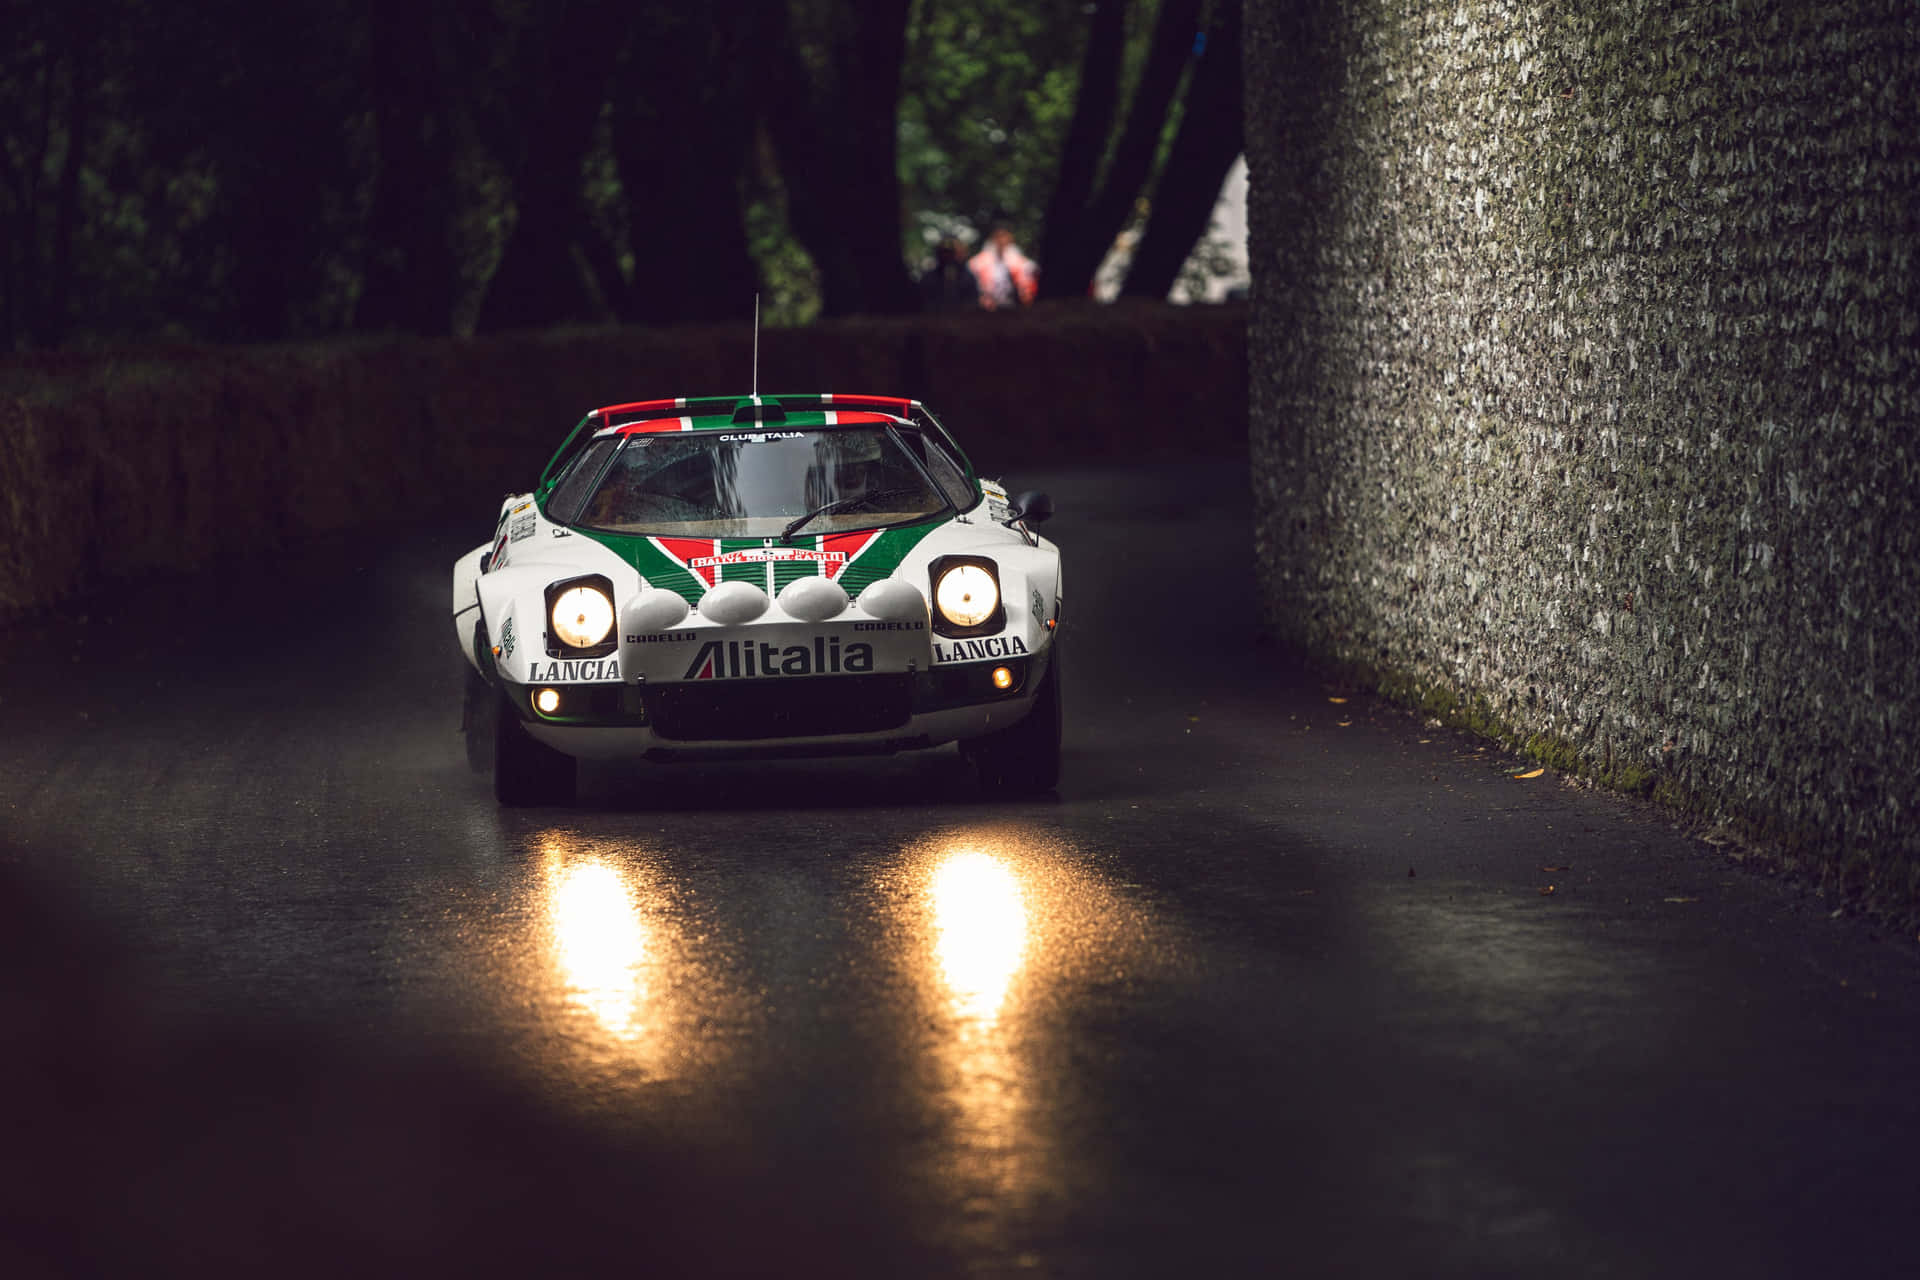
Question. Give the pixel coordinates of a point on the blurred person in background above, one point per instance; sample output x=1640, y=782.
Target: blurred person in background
x=948, y=284
x=1007, y=277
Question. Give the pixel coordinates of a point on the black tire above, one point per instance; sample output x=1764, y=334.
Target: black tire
x=479, y=711
x=1024, y=759
x=528, y=774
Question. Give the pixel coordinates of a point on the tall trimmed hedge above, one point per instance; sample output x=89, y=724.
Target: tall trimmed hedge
x=127, y=462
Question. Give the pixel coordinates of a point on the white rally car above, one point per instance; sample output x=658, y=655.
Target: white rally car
x=758, y=576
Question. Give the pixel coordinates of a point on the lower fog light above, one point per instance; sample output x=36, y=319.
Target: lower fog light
x=546, y=701
x=1003, y=677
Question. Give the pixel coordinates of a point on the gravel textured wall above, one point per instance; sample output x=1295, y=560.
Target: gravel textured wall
x=1584, y=388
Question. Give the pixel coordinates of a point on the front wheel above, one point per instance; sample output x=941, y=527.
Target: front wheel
x=526, y=773
x=1024, y=759
x=480, y=711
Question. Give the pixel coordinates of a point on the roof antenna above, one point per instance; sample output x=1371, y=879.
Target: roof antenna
x=756, y=348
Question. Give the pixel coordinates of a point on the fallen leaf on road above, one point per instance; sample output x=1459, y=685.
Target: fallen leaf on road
x=1557, y=870
x=1680, y=899
x=1336, y=699
x=1546, y=890
x=1344, y=723
x=1536, y=773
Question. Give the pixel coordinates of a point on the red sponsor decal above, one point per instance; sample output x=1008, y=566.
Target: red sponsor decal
x=685, y=550
x=703, y=557
x=894, y=405
x=762, y=555
x=652, y=425
x=848, y=547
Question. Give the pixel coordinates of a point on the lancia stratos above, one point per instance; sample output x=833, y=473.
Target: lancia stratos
x=747, y=577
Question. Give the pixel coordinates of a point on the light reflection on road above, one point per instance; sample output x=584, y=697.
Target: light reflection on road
x=609, y=958
x=952, y=975
x=980, y=925
x=600, y=940
x=1010, y=937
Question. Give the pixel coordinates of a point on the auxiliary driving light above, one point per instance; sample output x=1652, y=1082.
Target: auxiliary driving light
x=546, y=701
x=1002, y=678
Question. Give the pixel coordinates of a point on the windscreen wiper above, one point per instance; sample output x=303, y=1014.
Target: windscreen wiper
x=794, y=526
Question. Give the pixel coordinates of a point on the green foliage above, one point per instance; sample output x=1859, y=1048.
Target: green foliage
x=792, y=282
x=987, y=91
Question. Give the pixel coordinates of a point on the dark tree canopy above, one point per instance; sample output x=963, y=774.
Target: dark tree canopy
x=243, y=172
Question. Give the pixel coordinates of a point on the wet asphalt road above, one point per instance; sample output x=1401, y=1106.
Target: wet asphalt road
x=1277, y=984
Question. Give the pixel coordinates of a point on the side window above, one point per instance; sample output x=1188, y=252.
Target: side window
x=948, y=475
x=945, y=471
x=576, y=483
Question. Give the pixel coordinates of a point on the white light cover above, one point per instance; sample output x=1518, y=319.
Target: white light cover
x=966, y=595
x=813, y=599
x=655, y=609
x=892, y=600
x=582, y=616
x=732, y=603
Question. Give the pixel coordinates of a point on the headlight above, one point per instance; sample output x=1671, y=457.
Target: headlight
x=582, y=616
x=966, y=595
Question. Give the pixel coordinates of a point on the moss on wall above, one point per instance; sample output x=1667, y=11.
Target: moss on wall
x=1584, y=386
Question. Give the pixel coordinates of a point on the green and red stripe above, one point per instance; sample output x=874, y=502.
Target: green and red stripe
x=690, y=567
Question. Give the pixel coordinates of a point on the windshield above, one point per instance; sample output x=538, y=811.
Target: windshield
x=760, y=484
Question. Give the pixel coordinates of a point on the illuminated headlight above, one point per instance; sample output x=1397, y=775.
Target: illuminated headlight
x=546, y=701
x=582, y=616
x=966, y=595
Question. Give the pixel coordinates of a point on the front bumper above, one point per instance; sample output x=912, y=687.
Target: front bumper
x=822, y=715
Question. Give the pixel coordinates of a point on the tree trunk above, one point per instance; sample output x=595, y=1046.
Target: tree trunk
x=283, y=82
x=1067, y=270
x=42, y=144
x=838, y=154
x=686, y=124
x=548, y=128
x=57, y=314
x=1083, y=147
x=1212, y=135
x=411, y=277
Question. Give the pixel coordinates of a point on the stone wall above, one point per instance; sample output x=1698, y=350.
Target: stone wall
x=1584, y=388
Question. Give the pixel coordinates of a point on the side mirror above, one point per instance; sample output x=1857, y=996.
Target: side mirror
x=1033, y=506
